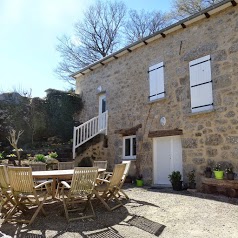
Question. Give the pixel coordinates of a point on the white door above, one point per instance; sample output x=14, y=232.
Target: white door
x=102, y=103
x=102, y=109
x=167, y=157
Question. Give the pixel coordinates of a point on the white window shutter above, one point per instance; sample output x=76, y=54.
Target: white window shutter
x=156, y=78
x=201, y=84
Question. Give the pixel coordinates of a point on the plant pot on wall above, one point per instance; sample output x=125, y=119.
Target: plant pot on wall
x=219, y=174
x=230, y=176
x=208, y=172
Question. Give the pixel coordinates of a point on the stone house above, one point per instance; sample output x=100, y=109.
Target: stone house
x=171, y=98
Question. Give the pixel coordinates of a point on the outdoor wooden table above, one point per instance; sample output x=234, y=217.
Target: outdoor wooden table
x=56, y=174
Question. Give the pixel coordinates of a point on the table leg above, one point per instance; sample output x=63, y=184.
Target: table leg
x=53, y=188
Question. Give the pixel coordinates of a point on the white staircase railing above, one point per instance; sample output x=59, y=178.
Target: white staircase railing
x=89, y=129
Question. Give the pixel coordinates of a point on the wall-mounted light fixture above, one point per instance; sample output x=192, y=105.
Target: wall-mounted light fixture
x=162, y=121
x=99, y=89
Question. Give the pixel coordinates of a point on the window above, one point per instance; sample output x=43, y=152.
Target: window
x=201, y=84
x=129, y=147
x=156, y=78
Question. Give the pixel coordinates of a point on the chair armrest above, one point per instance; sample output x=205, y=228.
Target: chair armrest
x=65, y=184
x=102, y=180
x=108, y=173
x=43, y=184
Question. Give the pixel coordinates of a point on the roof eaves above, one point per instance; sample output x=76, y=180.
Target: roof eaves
x=161, y=33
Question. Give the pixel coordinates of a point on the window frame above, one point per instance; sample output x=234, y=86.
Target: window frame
x=131, y=156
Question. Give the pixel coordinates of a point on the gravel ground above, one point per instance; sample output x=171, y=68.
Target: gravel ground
x=149, y=213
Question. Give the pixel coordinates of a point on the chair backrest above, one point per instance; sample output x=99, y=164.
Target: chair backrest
x=21, y=180
x=128, y=165
x=83, y=180
x=117, y=175
x=4, y=180
x=38, y=167
x=100, y=164
x=65, y=165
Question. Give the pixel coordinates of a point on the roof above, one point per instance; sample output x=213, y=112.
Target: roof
x=206, y=13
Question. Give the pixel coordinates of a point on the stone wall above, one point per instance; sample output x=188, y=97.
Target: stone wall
x=40, y=119
x=206, y=137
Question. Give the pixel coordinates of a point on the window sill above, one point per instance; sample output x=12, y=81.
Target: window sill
x=200, y=113
x=129, y=159
x=157, y=100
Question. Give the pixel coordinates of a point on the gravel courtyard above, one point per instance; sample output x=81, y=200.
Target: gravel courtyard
x=149, y=213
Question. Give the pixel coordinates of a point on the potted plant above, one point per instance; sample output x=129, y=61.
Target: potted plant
x=175, y=179
x=208, y=172
x=191, y=179
x=230, y=175
x=218, y=172
x=139, y=180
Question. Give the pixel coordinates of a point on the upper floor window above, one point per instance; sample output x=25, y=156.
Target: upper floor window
x=156, y=78
x=201, y=84
x=129, y=147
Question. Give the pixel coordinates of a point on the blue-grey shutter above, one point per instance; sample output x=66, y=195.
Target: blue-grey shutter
x=156, y=78
x=201, y=84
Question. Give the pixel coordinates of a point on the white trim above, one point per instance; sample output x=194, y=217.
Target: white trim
x=100, y=99
x=131, y=156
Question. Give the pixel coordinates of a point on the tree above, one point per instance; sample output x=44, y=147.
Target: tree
x=13, y=140
x=185, y=8
x=141, y=24
x=96, y=36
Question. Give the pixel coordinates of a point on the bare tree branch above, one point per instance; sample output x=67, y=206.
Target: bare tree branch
x=185, y=8
x=98, y=34
x=141, y=24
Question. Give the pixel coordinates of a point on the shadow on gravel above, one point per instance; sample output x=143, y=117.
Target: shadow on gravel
x=55, y=224
x=147, y=225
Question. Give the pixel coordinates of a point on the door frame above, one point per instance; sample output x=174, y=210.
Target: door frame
x=155, y=152
x=100, y=98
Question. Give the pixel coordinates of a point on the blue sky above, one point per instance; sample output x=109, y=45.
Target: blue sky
x=28, y=38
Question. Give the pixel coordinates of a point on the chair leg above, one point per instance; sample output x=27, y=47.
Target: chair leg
x=40, y=207
x=65, y=209
x=122, y=191
x=102, y=200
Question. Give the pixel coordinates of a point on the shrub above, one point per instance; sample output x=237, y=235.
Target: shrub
x=53, y=155
x=40, y=158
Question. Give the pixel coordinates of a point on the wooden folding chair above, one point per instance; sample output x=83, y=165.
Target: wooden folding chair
x=65, y=165
x=100, y=164
x=128, y=165
x=38, y=166
x=80, y=191
x=7, y=199
x=108, y=189
x=109, y=174
x=25, y=193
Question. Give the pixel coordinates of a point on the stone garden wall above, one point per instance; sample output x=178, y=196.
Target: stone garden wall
x=207, y=137
x=41, y=119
